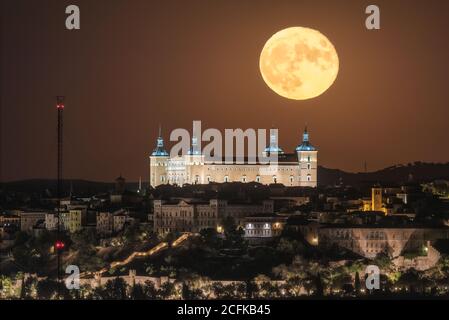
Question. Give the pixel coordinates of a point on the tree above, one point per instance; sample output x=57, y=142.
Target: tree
x=150, y=291
x=6, y=287
x=84, y=239
x=287, y=247
x=319, y=286
x=218, y=290
x=115, y=289
x=138, y=292
x=357, y=284
x=240, y=290
x=383, y=261
x=210, y=238
x=293, y=286
x=264, y=286
x=233, y=235
x=47, y=289
x=86, y=257
x=29, y=285
x=131, y=233
x=250, y=289
x=410, y=280
x=20, y=238
x=167, y=291
x=186, y=292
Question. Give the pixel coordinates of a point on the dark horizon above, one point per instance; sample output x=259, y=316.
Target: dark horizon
x=443, y=175
x=135, y=65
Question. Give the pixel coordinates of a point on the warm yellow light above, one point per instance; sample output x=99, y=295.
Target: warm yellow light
x=299, y=63
x=219, y=229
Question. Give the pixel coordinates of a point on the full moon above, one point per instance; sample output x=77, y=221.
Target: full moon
x=299, y=63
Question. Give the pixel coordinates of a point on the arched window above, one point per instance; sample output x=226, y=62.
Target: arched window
x=226, y=178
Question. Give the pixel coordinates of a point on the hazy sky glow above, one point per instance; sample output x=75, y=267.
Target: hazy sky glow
x=135, y=64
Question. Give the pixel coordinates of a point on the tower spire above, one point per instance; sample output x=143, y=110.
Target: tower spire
x=305, y=145
x=305, y=135
x=273, y=146
x=159, y=151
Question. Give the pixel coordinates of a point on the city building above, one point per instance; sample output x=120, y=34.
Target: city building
x=120, y=219
x=7, y=235
x=387, y=200
x=370, y=241
x=190, y=215
x=263, y=228
x=376, y=199
x=105, y=223
x=73, y=220
x=9, y=219
x=29, y=219
x=291, y=169
x=51, y=221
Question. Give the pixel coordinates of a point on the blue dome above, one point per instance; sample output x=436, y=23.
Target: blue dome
x=274, y=149
x=160, y=151
x=305, y=145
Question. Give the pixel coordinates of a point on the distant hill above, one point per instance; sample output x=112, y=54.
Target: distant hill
x=395, y=175
x=399, y=174
x=42, y=185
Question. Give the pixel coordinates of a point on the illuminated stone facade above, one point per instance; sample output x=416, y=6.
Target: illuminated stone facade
x=372, y=241
x=292, y=169
x=193, y=216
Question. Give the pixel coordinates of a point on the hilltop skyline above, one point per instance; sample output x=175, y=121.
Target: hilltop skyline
x=134, y=66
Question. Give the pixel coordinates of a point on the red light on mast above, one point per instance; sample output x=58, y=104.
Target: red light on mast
x=60, y=102
x=59, y=245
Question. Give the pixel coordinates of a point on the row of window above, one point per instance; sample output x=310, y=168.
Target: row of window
x=164, y=164
x=258, y=179
x=258, y=232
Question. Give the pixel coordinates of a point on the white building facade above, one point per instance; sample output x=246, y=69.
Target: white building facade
x=291, y=169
